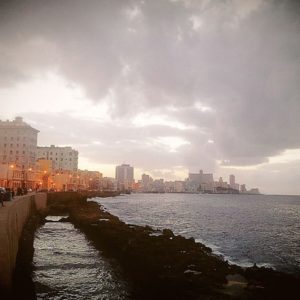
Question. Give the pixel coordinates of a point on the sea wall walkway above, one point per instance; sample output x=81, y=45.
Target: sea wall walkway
x=13, y=217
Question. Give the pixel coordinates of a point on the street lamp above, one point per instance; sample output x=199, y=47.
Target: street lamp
x=9, y=167
x=26, y=178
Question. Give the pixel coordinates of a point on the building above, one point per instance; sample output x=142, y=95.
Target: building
x=124, y=176
x=232, y=181
x=109, y=184
x=64, y=158
x=201, y=177
x=205, y=181
x=146, y=183
x=18, y=143
x=243, y=188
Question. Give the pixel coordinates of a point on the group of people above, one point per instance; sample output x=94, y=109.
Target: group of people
x=7, y=194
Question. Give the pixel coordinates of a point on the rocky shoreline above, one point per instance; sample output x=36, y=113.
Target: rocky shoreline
x=161, y=265
x=157, y=264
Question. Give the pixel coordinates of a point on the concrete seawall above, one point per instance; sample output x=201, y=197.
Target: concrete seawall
x=13, y=217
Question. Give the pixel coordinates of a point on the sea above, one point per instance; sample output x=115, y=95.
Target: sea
x=244, y=229
x=67, y=266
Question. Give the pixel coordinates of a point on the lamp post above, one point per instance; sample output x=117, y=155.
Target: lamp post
x=28, y=181
x=90, y=184
x=7, y=173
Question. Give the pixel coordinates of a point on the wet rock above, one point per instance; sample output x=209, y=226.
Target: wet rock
x=169, y=266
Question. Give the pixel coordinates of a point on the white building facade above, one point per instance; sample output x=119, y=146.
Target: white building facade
x=18, y=143
x=63, y=158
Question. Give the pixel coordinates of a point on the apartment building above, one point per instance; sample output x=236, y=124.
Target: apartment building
x=18, y=143
x=63, y=158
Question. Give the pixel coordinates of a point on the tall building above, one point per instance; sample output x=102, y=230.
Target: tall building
x=232, y=181
x=201, y=177
x=124, y=176
x=205, y=181
x=18, y=142
x=64, y=158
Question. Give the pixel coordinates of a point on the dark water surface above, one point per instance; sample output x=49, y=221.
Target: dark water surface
x=67, y=266
x=246, y=229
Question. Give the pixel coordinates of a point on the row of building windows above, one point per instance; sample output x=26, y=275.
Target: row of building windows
x=18, y=138
x=11, y=145
x=17, y=152
x=70, y=159
x=61, y=154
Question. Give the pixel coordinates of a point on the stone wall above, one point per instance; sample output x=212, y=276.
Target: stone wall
x=12, y=220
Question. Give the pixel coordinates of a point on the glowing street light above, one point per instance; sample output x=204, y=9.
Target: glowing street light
x=10, y=167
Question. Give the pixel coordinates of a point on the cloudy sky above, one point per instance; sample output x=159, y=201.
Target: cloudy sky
x=169, y=86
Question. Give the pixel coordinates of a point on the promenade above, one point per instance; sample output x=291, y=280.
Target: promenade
x=13, y=217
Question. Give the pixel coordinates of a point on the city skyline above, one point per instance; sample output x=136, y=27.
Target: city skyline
x=170, y=87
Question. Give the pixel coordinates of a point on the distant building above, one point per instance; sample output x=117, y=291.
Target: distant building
x=179, y=186
x=124, y=176
x=64, y=158
x=158, y=185
x=243, y=188
x=201, y=177
x=206, y=181
x=232, y=181
x=254, y=191
x=18, y=142
x=146, y=183
x=109, y=184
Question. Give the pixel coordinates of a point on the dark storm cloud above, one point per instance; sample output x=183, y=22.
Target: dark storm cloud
x=240, y=58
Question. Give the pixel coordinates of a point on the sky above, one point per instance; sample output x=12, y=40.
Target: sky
x=168, y=86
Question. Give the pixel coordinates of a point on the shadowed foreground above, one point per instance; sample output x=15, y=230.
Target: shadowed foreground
x=157, y=264
x=160, y=265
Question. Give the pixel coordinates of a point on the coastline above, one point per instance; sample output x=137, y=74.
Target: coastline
x=161, y=265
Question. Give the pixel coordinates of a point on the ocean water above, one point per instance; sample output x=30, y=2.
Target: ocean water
x=67, y=266
x=245, y=229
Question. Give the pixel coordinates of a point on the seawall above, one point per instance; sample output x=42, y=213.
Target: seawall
x=13, y=217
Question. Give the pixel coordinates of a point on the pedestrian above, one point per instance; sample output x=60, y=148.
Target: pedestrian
x=19, y=191
x=13, y=193
x=1, y=197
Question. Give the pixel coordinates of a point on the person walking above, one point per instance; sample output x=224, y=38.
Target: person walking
x=2, y=197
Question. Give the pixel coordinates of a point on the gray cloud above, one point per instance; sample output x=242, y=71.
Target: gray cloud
x=240, y=58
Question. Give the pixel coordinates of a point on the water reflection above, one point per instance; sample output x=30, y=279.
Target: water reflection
x=67, y=266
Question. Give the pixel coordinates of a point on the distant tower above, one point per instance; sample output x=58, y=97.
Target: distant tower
x=124, y=176
x=232, y=181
